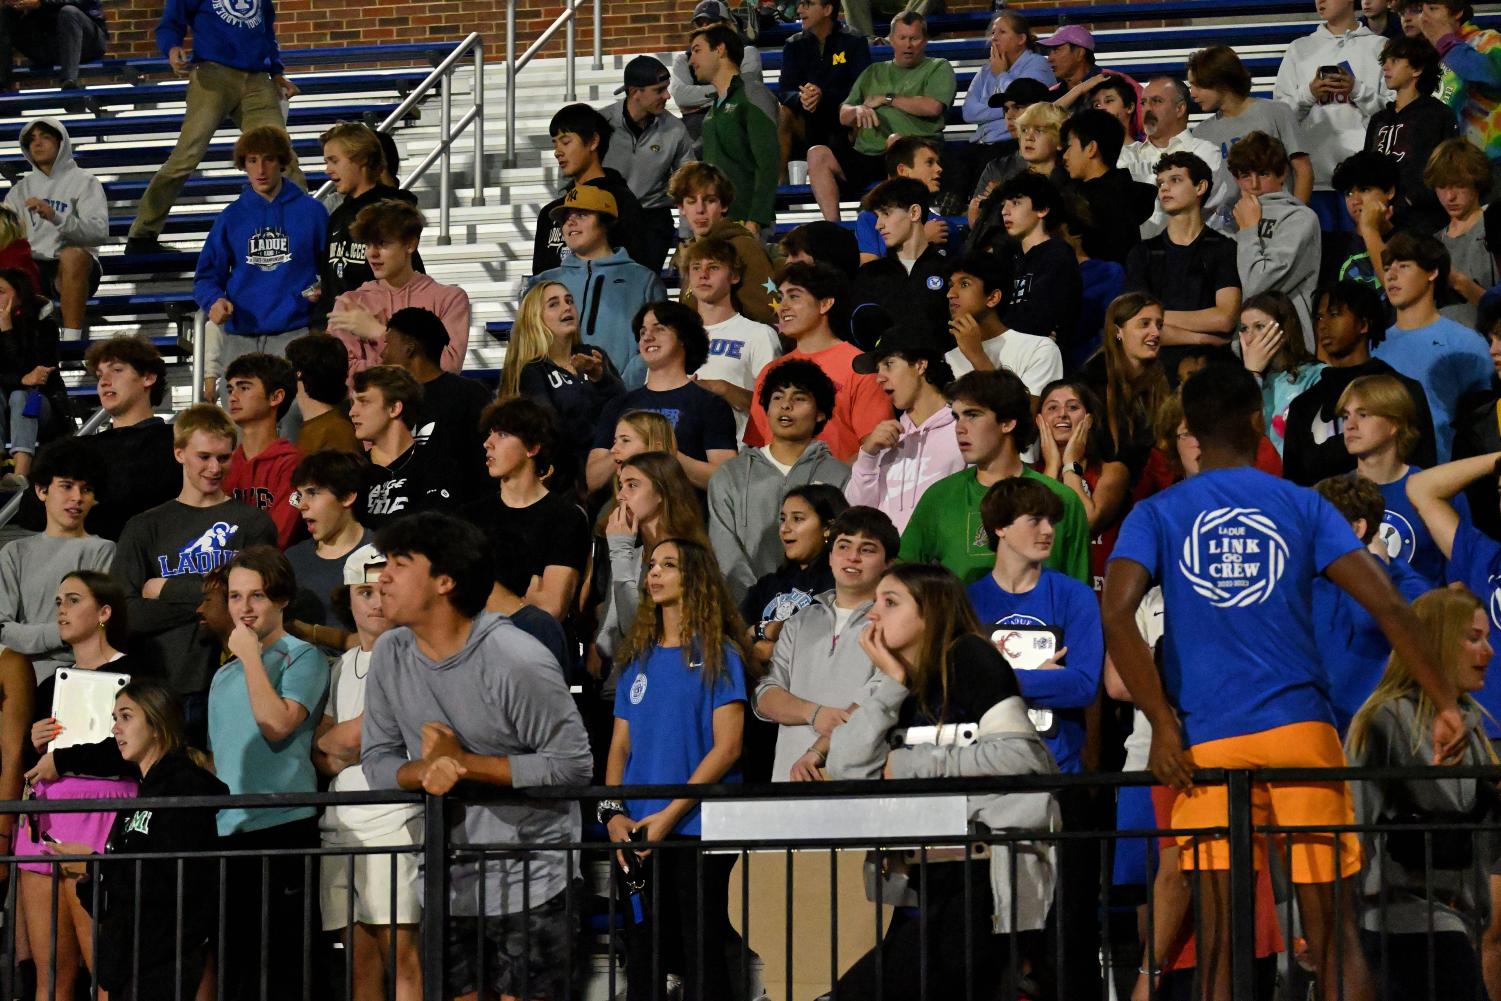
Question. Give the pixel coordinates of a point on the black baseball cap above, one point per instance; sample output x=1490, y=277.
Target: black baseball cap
x=1023, y=91
x=874, y=325
x=643, y=71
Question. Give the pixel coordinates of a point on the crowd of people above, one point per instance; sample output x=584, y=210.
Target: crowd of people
x=1096, y=442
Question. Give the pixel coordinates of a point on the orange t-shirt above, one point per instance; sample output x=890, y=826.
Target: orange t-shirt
x=859, y=402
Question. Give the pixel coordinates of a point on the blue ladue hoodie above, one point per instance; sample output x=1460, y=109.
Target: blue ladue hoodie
x=607, y=292
x=236, y=33
x=261, y=255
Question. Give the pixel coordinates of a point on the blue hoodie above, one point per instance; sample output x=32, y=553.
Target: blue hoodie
x=261, y=255
x=607, y=292
x=237, y=33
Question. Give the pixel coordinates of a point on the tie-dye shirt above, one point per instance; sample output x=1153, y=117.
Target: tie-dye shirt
x=1472, y=84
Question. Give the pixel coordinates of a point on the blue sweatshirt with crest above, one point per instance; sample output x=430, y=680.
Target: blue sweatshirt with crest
x=236, y=33
x=262, y=255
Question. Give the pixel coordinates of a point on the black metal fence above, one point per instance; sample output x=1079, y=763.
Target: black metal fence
x=610, y=933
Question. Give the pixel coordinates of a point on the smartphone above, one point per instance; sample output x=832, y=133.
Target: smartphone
x=1325, y=72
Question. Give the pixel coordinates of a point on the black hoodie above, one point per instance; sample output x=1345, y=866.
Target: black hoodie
x=626, y=234
x=152, y=832
x=1313, y=445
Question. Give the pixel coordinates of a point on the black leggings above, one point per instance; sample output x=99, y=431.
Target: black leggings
x=672, y=932
x=949, y=963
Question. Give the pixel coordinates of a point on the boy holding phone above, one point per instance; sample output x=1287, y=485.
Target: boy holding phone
x=1045, y=623
x=1332, y=79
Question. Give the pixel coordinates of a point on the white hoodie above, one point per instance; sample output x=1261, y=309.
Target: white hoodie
x=76, y=196
x=1336, y=130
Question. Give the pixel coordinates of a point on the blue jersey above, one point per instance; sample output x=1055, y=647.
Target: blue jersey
x=671, y=715
x=1406, y=537
x=1062, y=603
x=1476, y=561
x=1236, y=552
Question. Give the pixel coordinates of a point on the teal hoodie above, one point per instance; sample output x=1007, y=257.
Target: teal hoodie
x=607, y=292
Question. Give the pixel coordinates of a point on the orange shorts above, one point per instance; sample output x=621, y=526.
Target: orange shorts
x=1310, y=804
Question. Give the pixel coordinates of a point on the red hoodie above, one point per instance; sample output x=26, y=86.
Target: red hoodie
x=265, y=482
x=17, y=255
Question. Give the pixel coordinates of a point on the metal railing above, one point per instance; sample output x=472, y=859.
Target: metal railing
x=449, y=131
x=441, y=847
x=514, y=64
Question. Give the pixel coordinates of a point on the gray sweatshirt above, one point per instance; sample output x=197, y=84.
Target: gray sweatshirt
x=1282, y=252
x=1007, y=744
x=1461, y=898
x=813, y=663
x=30, y=570
x=181, y=543
x=504, y=696
x=693, y=97
x=648, y=160
x=745, y=497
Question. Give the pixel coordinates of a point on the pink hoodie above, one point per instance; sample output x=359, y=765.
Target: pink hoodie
x=894, y=478
x=449, y=302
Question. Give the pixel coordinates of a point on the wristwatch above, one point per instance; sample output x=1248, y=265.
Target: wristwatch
x=890, y=98
x=760, y=632
x=1076, y=468
x=608, y=808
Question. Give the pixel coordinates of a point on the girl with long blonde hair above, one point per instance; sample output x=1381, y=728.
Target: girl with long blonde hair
x=679, y=719
x=1426, y=887
x=547, y=361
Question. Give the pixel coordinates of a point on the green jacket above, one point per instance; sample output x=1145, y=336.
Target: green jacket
x=945, y=528
x=740, y=138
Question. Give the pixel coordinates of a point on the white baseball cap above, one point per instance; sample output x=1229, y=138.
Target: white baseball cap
x=359, y=562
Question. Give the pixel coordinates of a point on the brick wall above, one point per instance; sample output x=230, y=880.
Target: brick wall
x=629, y=25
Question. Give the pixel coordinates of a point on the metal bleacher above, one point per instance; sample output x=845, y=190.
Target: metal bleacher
x=126, y=122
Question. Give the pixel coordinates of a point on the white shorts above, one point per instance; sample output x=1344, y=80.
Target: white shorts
x=372, y=883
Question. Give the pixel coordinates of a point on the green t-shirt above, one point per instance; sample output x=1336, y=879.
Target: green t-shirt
x=946, y=528
x=930, y=78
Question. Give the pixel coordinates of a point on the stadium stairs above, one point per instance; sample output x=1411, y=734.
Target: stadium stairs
x=126, y=124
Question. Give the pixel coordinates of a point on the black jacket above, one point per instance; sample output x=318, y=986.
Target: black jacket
x=917, y=301
x=156, y=832
x=1313, y=446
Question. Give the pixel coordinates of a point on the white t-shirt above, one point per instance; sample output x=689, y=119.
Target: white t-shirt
x=1138, y=745
x=842, y=618
x=1036, y=360
x=346, y=825
x=739, y=348
x=766, y=451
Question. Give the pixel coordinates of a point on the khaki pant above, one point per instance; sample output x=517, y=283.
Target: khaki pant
x=215, y=92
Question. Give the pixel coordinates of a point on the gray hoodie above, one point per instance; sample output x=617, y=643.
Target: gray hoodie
x=1008, y=744
x=76, y=196
x=813, y=663
x=1282, y=252
x=504, y=696
x=745, y=498
x=1461, y=899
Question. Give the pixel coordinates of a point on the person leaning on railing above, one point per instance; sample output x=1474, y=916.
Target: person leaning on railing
x=937, y=671
x=136, y=950
x=1426, y=889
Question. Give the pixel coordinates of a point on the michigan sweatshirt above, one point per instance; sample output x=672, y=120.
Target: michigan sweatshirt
x=262, y=255
x=81, y=214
